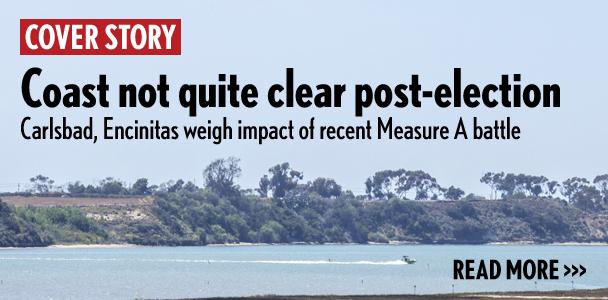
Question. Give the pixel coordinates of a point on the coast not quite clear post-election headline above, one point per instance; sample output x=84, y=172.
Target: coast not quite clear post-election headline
x=229, y=92
x=163, y=37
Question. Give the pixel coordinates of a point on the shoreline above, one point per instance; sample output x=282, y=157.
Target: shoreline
x=588, y=294
x=245, y=244
x=392, y=243
x=91, y=246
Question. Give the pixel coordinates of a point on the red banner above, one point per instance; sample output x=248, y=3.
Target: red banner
x=100, y=36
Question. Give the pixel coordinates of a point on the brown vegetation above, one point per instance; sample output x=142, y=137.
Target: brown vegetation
x=76, y=201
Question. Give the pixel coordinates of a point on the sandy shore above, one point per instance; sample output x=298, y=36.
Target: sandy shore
x=524, y=243
x=599, y=294
x=292, y=244
x=92, y=246
x=579, y=244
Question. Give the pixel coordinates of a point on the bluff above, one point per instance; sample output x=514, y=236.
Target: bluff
x=200, y=217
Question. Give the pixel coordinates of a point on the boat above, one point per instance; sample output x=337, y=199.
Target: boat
x=408, y=260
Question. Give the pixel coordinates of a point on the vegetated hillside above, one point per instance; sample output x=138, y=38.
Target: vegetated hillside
x=200, y=217
x=16, y=232
x=195, y=216
x=43, y=226
x=482, y=221
x=286, y=209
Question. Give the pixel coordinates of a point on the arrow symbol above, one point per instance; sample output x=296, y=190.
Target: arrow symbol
x=575, y=270
x=567, y=270
x=583, y=270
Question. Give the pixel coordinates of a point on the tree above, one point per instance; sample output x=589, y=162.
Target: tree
x=587, y=197
x=510, y=184
x=140, y=187
x=173, y=187
x=326, y=187
x=387, y=184
x=493, y=180
x=454, y=193
x=90, y=189
x=300, y=198
x=572, y=186
x=601, y=182
x=264, y=186
x=533, y=185
x=282, y=179
x=111, y=186
x=76, y=188
x=272, y=232
x=42, y=184
x=383, y=184
x=425, y=185
x=220, y=175
x=552, y=187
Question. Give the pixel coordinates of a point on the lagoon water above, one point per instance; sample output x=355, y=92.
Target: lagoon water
x=182, y=272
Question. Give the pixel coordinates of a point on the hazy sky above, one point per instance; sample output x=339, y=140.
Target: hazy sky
x=336, y=42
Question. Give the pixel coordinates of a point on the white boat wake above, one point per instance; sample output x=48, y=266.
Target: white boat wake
x=316, y=262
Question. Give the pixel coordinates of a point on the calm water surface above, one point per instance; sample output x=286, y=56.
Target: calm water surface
x=181, y=272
